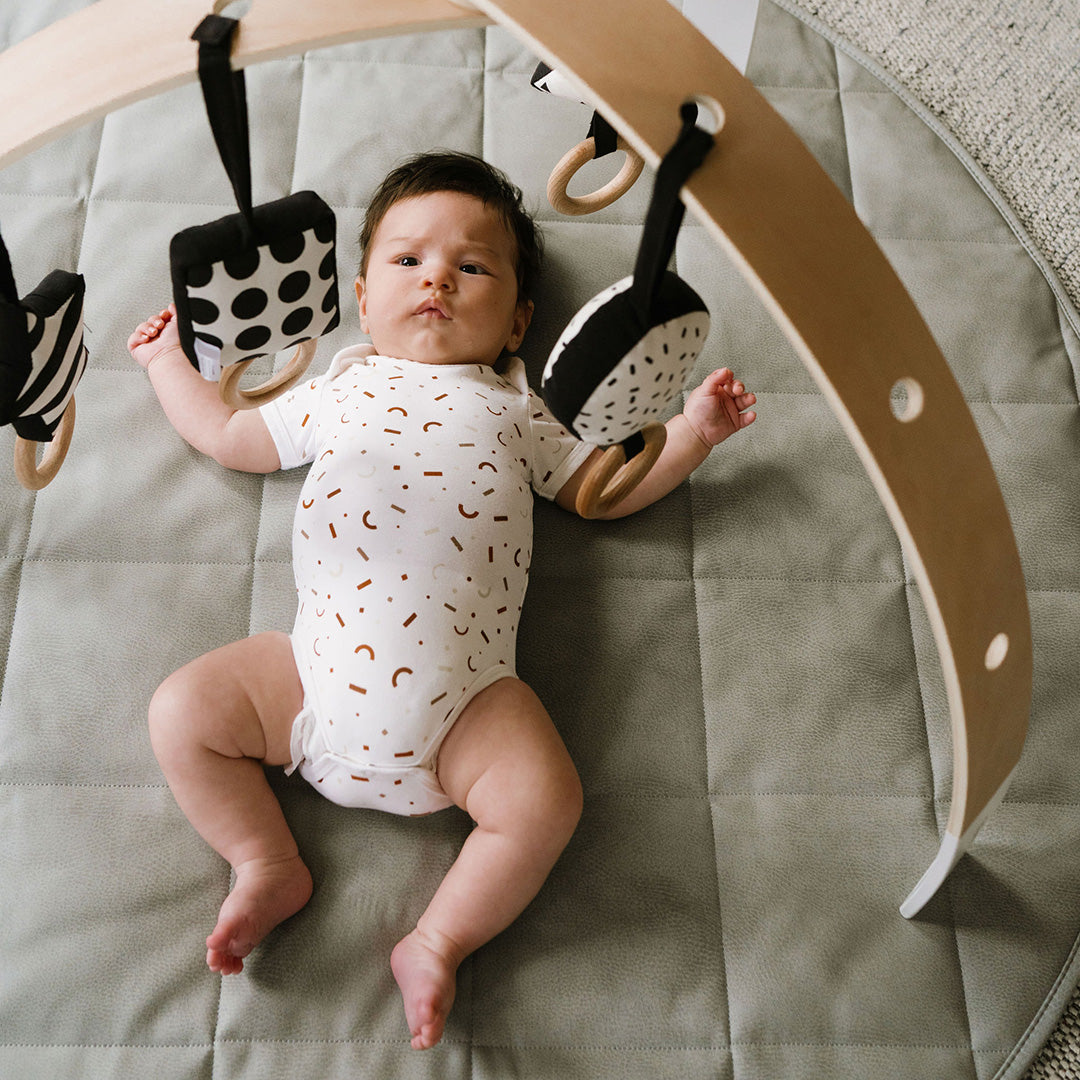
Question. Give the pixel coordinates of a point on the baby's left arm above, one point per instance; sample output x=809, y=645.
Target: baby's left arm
x=717, y=409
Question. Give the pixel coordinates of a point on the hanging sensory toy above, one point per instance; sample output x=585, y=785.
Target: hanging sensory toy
x=42, y=358
x=602, y=139
x=630, y=349
x=252, y=283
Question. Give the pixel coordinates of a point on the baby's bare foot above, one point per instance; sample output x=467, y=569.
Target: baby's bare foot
x=426, y=979
x=266, y=893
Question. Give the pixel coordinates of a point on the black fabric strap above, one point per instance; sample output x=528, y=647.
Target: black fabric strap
x=226, y=104
x=7, y=277
x=633, y=445
x=607, y=138
x=666, y=209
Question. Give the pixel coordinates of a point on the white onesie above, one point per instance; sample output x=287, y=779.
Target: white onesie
x=411, y=549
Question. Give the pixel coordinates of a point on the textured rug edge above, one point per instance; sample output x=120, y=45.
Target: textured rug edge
x=1047, y=1050
x=941, y=129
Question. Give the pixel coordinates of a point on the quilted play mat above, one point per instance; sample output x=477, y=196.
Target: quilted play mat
x=744, y=673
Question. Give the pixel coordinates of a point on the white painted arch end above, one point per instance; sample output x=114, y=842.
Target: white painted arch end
x=952, y=850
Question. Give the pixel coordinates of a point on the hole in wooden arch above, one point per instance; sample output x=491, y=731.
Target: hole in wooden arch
x=906, y=399
x=710, y=116
x=996, y=652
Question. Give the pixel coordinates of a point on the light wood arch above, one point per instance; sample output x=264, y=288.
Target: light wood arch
x=775, y=213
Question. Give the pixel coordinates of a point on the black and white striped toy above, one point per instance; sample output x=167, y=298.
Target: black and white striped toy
x=627, y=353
x=42, y=358
x=601, y=140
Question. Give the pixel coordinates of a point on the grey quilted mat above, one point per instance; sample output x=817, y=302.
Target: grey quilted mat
x=744, y=672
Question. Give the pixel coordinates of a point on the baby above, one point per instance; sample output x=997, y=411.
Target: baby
x=396, y=689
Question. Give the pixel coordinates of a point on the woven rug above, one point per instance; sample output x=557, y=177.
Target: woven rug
x=999, y=81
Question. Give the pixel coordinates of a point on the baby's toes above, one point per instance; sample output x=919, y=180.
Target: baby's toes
x=223, y=962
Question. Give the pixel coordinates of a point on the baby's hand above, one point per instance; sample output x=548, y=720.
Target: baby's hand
x=719, y=407
x=151, y=338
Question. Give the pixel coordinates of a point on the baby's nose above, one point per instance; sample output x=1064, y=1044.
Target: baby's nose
x=438, y=277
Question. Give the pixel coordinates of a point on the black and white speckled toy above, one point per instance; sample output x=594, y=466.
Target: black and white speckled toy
x=606, y=403
x=629, y=351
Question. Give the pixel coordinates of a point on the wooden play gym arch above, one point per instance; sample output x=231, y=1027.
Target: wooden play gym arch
x=776, y=215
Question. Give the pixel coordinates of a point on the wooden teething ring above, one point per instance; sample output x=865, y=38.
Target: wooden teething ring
x=612, y=478
x=573, y=160
x=28, y=472
x=289, y=375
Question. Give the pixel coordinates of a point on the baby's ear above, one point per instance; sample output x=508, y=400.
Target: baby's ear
x=523, y=314
x=361, y=300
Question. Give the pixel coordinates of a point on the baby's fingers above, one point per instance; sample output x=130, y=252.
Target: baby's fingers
x=717, y=379
x=139, y=336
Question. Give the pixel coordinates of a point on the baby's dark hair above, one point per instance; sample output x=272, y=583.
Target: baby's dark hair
x=449, y=170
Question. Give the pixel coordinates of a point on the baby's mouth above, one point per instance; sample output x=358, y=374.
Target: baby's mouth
x=432, y=309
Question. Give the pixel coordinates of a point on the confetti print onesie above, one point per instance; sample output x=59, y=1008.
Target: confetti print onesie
x=411, y=548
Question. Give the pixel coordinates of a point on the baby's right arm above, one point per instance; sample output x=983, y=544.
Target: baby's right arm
x=237, y=439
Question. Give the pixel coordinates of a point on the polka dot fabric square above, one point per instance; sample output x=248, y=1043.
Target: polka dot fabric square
x=246, y=292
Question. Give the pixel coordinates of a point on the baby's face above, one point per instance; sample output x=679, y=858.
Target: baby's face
x=441, y=283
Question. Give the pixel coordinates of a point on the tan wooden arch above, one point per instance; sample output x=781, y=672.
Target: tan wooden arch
x=776, y=214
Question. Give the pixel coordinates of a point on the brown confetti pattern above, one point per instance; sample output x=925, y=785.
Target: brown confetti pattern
x=412, y=542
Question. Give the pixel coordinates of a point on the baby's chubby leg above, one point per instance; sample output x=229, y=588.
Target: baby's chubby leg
x=504, y=763
x=213, y=725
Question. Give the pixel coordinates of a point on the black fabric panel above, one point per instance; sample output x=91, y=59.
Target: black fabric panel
x=14, y=358
x=605, y=338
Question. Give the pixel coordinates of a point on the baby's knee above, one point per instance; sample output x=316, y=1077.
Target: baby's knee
x=551, y=800
x=169, y=705
x=569, y=799
x=569, y=813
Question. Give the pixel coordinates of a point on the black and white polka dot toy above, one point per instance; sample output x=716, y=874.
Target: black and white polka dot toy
x=629, y=351
x=256, y=282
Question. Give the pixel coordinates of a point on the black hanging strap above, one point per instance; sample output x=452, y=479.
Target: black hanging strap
x=607, y=138
x=8, y=291
x=226, y=104
x=15, y=361
x=666, y=209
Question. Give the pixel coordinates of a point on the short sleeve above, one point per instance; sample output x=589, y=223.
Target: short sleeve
x=556, y=454
x=292, y=420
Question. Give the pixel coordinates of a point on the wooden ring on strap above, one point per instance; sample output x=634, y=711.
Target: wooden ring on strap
x=32, y=476
x=289, y=375
x=612, y=478
x=585, y=151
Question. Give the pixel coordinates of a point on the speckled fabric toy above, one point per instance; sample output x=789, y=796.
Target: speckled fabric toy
x=630, y=349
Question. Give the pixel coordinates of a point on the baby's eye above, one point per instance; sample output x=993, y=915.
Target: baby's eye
x=472, y=268
x=408, y=260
